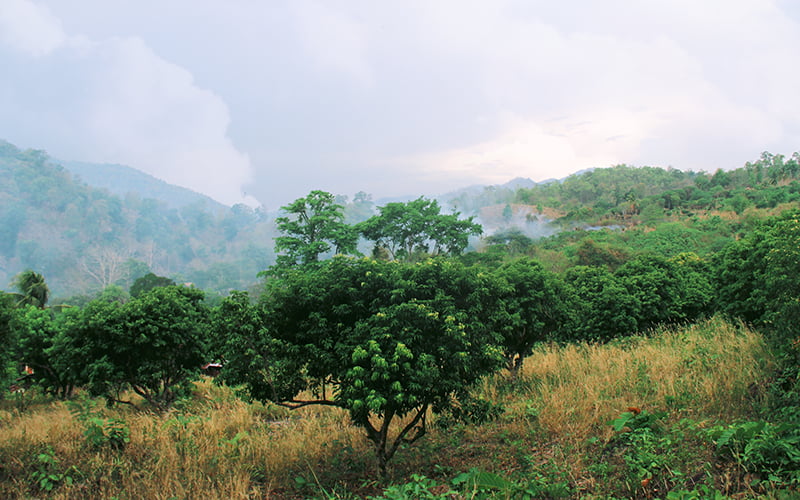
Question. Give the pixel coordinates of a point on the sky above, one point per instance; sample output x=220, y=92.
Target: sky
x=260, y=102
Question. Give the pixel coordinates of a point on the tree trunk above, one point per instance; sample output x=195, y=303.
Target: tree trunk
x=380, y=437
x=514, y=364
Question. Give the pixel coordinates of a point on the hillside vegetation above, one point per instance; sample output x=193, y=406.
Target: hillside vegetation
x=623, y=333
x=556, y=437
x=85, y=239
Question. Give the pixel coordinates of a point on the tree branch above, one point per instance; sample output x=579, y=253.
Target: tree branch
x=294, y=404
x=401, y=438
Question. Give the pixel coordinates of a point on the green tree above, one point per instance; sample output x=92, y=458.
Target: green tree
x=697, y=287
x=667, y=290
x=602, y=308
x=314, y=226
x=153, y=344
x=114, y=293
x=252, y=358
x=360, y=209
x=7, y=337
x=46, y=342
x=513, y=241
x=382, y=340
x=589, y=253
x=756, y=277
x=148, y=282
x=33, y=289
x=406, y=229
x=508, y=213
x=532, y=309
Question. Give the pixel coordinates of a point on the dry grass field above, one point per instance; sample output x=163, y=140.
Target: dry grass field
x=555, y=427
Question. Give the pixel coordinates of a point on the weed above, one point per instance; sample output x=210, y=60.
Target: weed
x=47, y=477
x=419, y=488
x=772, y=450
x=647, y=451
x=469, y=410
x=100, y=432
x=702, y=492
x=552, y=440
x=636, y=419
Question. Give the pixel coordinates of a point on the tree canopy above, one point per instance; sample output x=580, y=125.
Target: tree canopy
x=380, y=339
x=33, y=289
x=418, y=226
x=533, y=308
x=152, y=344
x=148, y=282
x=313, y=226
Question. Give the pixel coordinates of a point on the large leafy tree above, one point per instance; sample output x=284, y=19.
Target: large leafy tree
x=382, y=340
x=533, y=309
x=602, y=308
x=418, y=227
x=756, y=277
x=668, y=290
x=313, y=226
x=153, y=344
x=7, y=335
x=511, y=241
x=740, y=275
x=251, y=357
x=46, y=342
x=148, y=282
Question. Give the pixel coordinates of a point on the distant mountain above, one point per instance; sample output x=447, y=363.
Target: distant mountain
x=83, y=236
x=519, y=182
x=478, y=189
x=121, y=180
x=79, y=229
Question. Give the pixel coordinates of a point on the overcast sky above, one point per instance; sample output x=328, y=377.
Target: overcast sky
x=247, y=100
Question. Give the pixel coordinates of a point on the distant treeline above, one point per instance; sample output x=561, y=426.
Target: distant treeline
x=85, y=239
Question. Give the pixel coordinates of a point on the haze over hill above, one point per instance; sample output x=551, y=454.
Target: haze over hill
x=122, y=179
x=416, y=97
x=85, y=238
x=87, y=226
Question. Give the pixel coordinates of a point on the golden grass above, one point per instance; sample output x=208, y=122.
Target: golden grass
x=223, y=446
x=707, y=370
x=214, y=444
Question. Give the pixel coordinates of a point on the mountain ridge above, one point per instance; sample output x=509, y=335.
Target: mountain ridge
x=123, y=179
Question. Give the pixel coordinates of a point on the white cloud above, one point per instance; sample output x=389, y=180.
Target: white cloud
x=116, y=100
x=150, y=112
x=333, y=40
x=349, y=94
x=693, y=86
x=539, y=150
x=29, y=28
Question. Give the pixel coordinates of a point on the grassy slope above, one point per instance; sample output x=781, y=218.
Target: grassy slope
x=554, y=431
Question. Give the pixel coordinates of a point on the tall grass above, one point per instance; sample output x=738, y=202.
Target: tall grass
x=708, y=370
x=216, y=445
x=213, y=444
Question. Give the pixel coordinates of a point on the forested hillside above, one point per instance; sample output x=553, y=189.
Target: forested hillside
x=121, y=180
x=623, y=333
x=85, y=239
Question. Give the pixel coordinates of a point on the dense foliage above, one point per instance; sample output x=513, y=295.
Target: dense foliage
x=411, y=331
x=380, y=339
x=313, y=226
x=532, y=309
x=418, y=227
x=153, y=344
